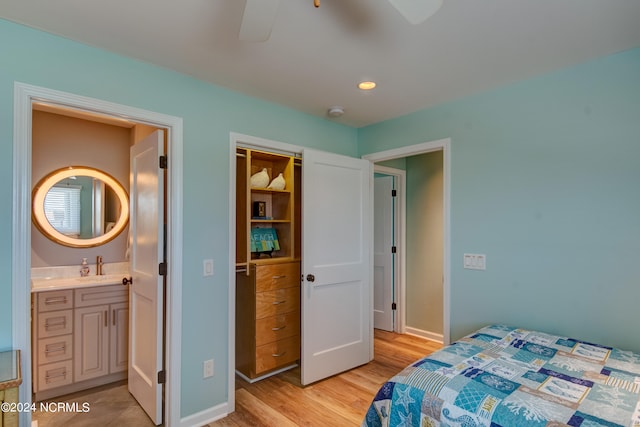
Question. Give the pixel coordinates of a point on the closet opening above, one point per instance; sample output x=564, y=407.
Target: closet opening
x=268, y=257
x=321, y=264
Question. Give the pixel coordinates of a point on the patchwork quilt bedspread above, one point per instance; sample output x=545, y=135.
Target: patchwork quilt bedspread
x=505, y=377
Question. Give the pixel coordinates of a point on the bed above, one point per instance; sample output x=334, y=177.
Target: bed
x=501, y=376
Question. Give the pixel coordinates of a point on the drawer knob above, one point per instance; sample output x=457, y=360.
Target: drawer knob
x=278, y=354
x=279, y=328
x=279, y=302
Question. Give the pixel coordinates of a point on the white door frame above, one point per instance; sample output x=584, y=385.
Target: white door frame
x=399, y=317
x=443, y=145
x=24, y=96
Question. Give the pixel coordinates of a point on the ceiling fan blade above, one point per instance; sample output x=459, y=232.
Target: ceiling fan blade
x=416, y=11
x=258, y=19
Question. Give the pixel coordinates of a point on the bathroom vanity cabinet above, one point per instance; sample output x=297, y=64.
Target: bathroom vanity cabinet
x=267, y=281
x=80, y=339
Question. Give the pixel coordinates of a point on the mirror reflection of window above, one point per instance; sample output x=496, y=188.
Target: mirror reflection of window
x=62, y=209
x=78, y=206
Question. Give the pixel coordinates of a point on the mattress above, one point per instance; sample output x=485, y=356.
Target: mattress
x=506, y=376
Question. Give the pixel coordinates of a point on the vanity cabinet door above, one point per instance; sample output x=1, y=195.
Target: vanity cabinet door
x=119, y=337
x=91, y=346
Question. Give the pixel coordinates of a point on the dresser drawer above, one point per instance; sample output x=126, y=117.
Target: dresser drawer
x=55, y=300
x=54, y=375
x=55, y=323
x=281, y=301
x=101, y=295
x=275, y=328
x=277, y=276
x=55, y=349
x=277, y=354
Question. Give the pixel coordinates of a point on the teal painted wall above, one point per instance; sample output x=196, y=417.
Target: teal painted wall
x=545, y=180
x=209, y=114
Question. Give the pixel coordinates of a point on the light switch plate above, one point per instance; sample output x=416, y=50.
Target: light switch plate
x=475, y=261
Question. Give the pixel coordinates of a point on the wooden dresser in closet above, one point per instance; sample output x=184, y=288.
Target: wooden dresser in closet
x=267, y=318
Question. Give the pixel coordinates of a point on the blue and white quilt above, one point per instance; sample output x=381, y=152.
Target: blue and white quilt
x=506, y=377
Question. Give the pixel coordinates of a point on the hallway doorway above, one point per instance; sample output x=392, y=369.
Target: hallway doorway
x=391, y=159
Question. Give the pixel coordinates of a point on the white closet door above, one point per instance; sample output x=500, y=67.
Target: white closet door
x=337, y=302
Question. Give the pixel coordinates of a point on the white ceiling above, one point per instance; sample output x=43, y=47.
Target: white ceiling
x=315, y=57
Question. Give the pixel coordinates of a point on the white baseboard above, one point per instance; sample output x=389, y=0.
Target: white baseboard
x=270, y=374
x=205, y=417
x=431, y=336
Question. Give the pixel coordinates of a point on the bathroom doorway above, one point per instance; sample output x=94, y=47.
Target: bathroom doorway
x=29, y=102
x=93, y=350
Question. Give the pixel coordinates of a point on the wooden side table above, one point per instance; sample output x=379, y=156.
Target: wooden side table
x=10, y=379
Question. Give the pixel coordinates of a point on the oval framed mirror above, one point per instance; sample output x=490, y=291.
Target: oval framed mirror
x=80, y=207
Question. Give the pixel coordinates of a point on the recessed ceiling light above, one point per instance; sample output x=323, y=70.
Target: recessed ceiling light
x=366, y=85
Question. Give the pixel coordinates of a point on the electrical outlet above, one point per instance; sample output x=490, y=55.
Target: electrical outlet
x=207, y=370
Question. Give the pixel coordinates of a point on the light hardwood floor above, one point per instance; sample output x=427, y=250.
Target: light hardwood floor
x=341, y=400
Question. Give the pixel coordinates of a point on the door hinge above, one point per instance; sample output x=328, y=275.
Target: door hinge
x=394, y=193
x=394, y=306
x=162, y=377
x=394, y=249
x=162, y=269
x=163, y=162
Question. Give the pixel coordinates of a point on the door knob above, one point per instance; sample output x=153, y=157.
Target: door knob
x=311, y=278
x=127, y=281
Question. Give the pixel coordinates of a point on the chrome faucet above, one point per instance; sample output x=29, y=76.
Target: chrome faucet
x=99, y=266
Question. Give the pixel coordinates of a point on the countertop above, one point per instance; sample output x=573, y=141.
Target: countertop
x=41, y=284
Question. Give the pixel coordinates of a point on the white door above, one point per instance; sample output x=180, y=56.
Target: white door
x=337, y=330
x=146, y=296
x=382, y=256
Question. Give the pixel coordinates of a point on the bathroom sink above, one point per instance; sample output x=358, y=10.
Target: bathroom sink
x=55, y=283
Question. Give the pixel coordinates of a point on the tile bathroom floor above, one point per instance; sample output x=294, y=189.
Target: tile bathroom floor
x=109, y=405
